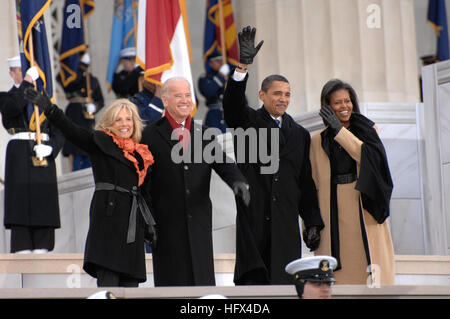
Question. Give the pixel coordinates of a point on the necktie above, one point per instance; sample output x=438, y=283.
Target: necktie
x=278, y=122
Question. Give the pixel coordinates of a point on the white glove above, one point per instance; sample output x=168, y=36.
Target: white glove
x=91, y=108
x=42, y=150
x=225, y=69
x=33, y=73
x=86, y=59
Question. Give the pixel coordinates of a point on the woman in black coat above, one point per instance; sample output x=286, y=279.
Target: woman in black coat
x=114, y=252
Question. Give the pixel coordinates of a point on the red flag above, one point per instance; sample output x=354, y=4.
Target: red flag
x=163, y=40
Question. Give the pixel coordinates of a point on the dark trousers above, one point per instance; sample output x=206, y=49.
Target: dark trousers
x=24, y=238
x=109, y=278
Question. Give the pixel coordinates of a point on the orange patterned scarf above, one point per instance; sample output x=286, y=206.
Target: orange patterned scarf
x=129, y=146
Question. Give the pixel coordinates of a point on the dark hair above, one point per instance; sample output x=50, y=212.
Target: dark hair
x=336, y=85
x=267, y=82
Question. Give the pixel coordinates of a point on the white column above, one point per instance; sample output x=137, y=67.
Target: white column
x=368, y=43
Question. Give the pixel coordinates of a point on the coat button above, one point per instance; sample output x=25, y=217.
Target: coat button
x=186, y=167
x=111, y=203
x=189, y=215
x=275, y=179
x=188, y=191
x=267, y=218
x=274, y=199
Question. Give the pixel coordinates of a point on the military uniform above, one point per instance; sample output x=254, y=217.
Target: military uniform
x=317, y=270
x=31, y=192
x=150, y=106
x=126, y=82
x=211, y=86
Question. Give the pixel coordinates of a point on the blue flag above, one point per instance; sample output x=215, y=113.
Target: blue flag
x=123, y=34
x=73, y=41
x=34, y=48
x=437, y=18
x=212, y=41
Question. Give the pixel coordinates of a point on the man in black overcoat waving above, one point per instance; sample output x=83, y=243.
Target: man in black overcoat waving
x=267, y=232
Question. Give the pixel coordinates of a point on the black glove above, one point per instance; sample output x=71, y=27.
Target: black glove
x=41, y=100
x=330, y=118
x=247, y=50
x=24, y=85
x=311, y=236
x=241, y=189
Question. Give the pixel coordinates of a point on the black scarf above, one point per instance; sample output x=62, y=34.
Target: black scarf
x=374, y=181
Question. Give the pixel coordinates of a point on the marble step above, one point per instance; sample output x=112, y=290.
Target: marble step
x=65, y=270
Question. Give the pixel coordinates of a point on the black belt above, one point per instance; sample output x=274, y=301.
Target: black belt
x=344, y=178
x=138, y=202
x=14, y=130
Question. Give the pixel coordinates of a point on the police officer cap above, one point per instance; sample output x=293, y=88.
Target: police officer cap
x=14, y=62
x=317, y=268
x=215, y=56
x=128, y=53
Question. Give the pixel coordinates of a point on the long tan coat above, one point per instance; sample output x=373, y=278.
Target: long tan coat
x=352, y=255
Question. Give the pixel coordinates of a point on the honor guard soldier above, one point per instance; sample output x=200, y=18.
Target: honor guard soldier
x=85, y=100
x=313, y=276
x=31, y=192
x=126, y=81
x=148, y=101
x=211, y=86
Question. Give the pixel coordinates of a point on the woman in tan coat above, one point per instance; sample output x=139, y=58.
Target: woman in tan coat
x=354, y=185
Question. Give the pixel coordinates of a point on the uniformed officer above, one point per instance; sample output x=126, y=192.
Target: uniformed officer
x=313, y=276
x=148, y=101
x=211, y=86
x=31, y=192
x=126, y=81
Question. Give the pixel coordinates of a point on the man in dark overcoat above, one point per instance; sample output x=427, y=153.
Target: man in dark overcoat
x=179, y=188
x=267, y=232
x=31, y=192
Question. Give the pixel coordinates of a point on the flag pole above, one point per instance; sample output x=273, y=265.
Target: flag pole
x=141, y=77
x=36, y=109
x=88, y=115
x=36, y=161
x=222, y=32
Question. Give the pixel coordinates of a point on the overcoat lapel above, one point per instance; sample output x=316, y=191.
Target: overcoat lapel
x=165, y=130
x=291, y=143
x=287, y=141
x=265, y=122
